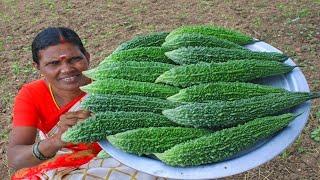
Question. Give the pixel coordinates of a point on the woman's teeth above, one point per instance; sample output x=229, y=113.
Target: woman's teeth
x=70, y=79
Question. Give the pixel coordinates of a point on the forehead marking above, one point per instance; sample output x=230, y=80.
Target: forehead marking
x=62, y=39
x=62, y=57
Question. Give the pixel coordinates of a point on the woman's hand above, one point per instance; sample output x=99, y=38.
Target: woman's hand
x=68, y=120
x=22, y=139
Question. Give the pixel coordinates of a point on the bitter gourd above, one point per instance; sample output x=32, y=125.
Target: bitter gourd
x=100, y=125
x=219, y=32
x=221, y=114
x=110, y=102
x=224, y=91
x=126, y=87
x=153, y=54
x=148, y=40
x=154, y=140
x=130, y=70
x=192, y=55
x=192, y=74
x=225, y=143
x=186, y=40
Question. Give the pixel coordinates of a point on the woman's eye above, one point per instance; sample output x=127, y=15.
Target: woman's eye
x=76, y=59
x=53, y=63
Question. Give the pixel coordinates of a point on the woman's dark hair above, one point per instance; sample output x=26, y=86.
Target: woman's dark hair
x=52, y=36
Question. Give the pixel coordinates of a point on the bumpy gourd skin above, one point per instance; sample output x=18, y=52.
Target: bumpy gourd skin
x=100, y=125
x=223, y=91
x=192, y=55
x=148, y=40
x=216, y=31
x=222, y=114
x=193, y=39
x=231, y=71
x=149, y=54
x=154, y=140
x=126, y=87
x=130, y=70
x=225, y=143
x=113, y=102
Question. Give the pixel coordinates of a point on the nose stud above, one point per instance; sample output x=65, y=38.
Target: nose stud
x=62, y=57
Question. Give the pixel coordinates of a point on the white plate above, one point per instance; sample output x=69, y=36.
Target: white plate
x=244, y=161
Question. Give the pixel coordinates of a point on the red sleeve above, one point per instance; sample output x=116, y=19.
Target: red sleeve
x=24, y=109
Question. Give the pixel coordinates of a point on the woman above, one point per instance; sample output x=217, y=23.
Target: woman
x=42, y=106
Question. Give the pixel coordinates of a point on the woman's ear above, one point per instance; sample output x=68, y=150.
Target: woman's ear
x=36, y=65
x=87, y=55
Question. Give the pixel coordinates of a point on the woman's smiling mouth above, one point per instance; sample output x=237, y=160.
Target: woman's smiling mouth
x=70, y=79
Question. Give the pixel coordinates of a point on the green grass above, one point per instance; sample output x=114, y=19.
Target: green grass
x=4, y=135
x=298, y=145
x=292, y=13
x=19, y=69
x=115, y=26
x=304, y=12
x=106, y=34
x=286, y=10
x=183, y=15
x=318, y=115
x=68, y=5
x=204, y=4
x=34, y=21
x=315, y=134
x=5, y=17
x=1, y=45
x=2, y=79
x=257, y=22
x=6, y=99
x=280, y=6
x=285, y=155
x=9, y=170
x=26, y=49
x=10, y=2
x=84, y=41
x=301, y=150
x=15, y=67
x=150, y=28
x=50, y=4
x=139, y=10
x=316, y=1
x=9, y=39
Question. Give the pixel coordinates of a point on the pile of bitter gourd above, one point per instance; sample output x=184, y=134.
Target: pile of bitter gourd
x=186, y=96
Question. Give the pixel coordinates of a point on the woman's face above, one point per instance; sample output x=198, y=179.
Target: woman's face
x=62, y=66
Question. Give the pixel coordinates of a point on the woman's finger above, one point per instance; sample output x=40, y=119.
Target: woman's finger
x=83, y=114
x=68, y=122
x=69, y=115
x=81, y=119
x=77, y=114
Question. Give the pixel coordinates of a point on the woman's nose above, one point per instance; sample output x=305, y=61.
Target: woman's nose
x=66, y=67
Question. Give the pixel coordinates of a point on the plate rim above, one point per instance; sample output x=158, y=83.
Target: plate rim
x=232, y=166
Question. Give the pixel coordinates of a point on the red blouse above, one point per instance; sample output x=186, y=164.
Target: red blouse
x=35, y=106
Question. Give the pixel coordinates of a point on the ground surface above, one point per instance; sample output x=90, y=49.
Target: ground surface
x=292, y=26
